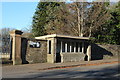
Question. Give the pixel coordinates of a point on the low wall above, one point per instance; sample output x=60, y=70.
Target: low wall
x=72, y=57
x=105, y=51
x=34, y=55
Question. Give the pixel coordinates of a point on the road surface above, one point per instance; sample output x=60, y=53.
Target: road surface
x=94, y=71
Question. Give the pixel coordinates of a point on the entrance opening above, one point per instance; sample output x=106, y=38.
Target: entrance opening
x=86, y=58
x=58, y=50
x=58, y=58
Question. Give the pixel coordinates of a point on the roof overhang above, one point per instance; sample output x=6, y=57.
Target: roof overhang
x=60, y=36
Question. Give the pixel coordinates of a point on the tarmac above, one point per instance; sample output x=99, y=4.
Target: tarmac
x=7, y=70
x=47, y=66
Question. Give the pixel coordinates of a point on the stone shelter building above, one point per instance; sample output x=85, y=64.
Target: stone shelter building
x=64, y=48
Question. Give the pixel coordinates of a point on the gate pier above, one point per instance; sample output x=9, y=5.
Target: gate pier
x=16, y=46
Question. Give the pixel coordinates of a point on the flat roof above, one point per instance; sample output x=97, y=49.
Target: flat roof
x=60, y=36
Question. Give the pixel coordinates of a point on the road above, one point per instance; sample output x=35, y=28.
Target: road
x=94, y=71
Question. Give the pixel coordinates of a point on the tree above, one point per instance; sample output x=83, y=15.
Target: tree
x=97, y=16
x=77, y=18
x=110, y=32
x=39, y=19
x=56, y=18
x=47, y=18
x=5, y=40
x=81, y=13
x=90, y=16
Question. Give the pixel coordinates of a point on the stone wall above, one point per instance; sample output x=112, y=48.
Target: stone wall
x=39, y=55
x=105, y=51
x=34, y=55
x=72, y=57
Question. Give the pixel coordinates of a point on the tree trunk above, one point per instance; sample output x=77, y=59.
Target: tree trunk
x=79, y=26
x=90, y=33
x=80, y=20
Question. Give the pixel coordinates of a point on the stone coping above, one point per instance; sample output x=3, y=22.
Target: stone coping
x=61, y=36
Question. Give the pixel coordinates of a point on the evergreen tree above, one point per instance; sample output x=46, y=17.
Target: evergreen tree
x=39, y=19
x=46, y=19
x=110, y=32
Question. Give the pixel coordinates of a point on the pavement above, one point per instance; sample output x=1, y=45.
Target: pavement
x=29, y=68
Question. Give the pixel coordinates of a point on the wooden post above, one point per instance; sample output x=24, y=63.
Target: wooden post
x=16, y=46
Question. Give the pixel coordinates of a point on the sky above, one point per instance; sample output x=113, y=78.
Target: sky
x=18, y=15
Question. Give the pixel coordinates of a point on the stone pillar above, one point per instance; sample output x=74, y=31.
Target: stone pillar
x=66, y=47
x=70, y=47
x=89, y=52
x=82, y=47
x=74, y=47
x=16, y=46
x=53, y=49
x=61, y=47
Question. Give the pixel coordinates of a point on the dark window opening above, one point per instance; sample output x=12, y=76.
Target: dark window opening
x=80, y=47
x=63, y=47
x=76, y=47
x=49, y=47
x=72, y=47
